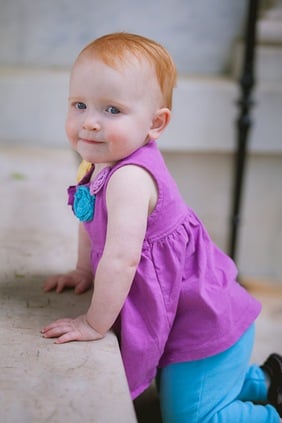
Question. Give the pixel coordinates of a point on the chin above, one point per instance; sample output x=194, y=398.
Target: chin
x=86, y=155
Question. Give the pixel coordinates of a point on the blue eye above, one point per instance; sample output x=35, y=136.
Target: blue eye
x=80, y=106
x=113, y=110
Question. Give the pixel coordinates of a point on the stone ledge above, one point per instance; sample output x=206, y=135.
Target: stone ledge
x=41, y=381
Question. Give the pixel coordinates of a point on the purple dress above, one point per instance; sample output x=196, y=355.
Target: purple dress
x=184, y=303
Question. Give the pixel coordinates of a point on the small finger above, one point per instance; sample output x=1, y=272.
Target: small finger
x=67, y=337
x=63, y=324
x=58, y=322
x=60, y=284
x=50, y=284
x=54, y=333
x=80, y=288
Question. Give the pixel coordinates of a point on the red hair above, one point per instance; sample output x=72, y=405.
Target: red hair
x=114, y=49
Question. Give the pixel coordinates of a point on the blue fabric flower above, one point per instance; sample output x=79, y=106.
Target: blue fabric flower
x=84, y=204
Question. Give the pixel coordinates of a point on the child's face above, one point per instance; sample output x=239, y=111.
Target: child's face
x=111, y=112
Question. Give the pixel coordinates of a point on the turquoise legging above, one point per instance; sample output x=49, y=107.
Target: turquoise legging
x=218, y=389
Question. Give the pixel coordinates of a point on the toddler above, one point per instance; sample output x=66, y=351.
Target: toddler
x=159, y=282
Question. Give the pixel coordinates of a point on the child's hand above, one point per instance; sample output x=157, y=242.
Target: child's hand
x=78, y=279
x=66, y=330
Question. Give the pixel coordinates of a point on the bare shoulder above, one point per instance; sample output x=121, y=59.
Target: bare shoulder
x=134, y=182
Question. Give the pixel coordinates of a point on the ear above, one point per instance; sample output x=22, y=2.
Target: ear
x=159, y=123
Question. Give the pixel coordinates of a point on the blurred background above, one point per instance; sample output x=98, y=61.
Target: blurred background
x=39, y=41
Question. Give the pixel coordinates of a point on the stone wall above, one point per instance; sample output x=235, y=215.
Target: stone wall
x=199, y=34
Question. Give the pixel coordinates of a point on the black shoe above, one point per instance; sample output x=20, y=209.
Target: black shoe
x=273, y=367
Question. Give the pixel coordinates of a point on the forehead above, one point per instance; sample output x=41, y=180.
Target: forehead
x=125, y=64
x=123, y=75
x=116, y=55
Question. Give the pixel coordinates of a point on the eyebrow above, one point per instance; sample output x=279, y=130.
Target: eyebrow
x=75, y=98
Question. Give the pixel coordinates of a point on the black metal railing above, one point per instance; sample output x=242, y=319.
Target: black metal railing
x=244, y=122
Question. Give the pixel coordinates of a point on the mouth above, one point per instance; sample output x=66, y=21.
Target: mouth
x=89, y=141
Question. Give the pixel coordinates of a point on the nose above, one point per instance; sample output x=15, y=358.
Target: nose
x=91, y=122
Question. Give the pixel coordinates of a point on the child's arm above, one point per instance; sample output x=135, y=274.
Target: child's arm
x=81, y=277
x=131, y=196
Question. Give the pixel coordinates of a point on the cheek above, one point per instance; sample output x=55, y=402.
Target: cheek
x=70, y=129
x=120, y=128
x=114, y=131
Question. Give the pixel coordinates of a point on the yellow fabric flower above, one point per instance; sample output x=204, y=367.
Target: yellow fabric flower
x=84, y=167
